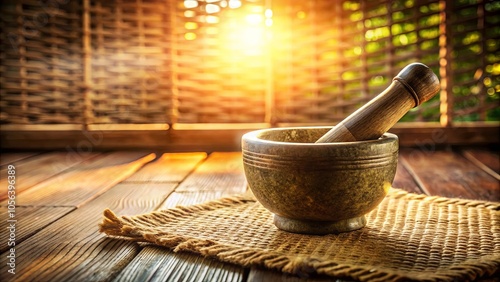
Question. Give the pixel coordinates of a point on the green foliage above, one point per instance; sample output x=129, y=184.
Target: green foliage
x=411, y=30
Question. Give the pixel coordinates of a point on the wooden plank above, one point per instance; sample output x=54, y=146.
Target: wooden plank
x=9, y=158
x=221, y=171
x=168, y=168
x=228, y=138
x=404, y=180
x=31, y=171
x=71, y=249
x=127, y=126
x=219, y=126
x=41, y=127
x=28, y=221
x=487, y=160
x=447, y=173
x=192, y=198
x=165, y=140
x=85, y=181
x=160, y=264
x=258, y=274
x=429, y=134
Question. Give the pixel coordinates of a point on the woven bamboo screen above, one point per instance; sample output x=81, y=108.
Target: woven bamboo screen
x=256, y=61
x=130, y=62
x=220, y=62
x=341, y=53
x=41, y=70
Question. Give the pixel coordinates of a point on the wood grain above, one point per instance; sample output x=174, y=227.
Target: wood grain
x=229, y=139
x=432, y=134
x=72, y=249
x=192, y=198
x=62, y=243
x=448, y=174
x=85, y=181
x=258, y=274
x=9, y=158
x=168, y=168
x=404, y=180
x=160, y=264
x=487, y=160
x=413, y=85
x=36, y=169
x=221, y=171
x=29, y=220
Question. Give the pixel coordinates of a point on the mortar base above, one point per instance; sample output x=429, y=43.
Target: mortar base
x=319, y=227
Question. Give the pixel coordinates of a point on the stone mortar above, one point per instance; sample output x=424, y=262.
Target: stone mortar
x=318, y=188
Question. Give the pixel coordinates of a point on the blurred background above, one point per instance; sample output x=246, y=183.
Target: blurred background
x=193, y=65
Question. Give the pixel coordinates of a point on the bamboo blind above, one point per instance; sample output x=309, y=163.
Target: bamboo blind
x=41, y=71
x=219, y=79
x=256, y=61
x=130, y=59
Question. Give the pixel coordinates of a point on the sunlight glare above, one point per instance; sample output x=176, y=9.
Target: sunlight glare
x=249, y=40
x=212, y=9
x=189, y=4
x=252, y=36
x=212, y=19
x=254, y=19
x=268, y=13
x=234, y=4
x=190, y=25
x=189, y=14
x=190, y=36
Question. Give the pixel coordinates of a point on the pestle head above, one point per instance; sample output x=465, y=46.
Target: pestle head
x=420, y=81
x=414, y=85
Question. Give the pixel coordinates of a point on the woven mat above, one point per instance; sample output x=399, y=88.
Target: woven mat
x=408, y=237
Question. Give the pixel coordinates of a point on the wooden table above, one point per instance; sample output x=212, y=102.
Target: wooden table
x=60, y=197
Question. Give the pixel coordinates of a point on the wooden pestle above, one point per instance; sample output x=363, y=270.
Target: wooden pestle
x=414, y=84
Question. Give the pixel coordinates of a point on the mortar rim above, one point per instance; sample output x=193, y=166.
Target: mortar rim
x=252, y=137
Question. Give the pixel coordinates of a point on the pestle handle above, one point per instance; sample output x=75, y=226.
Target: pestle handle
x=414, y=85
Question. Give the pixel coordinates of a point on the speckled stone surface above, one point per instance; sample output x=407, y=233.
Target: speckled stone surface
x=318, y=188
